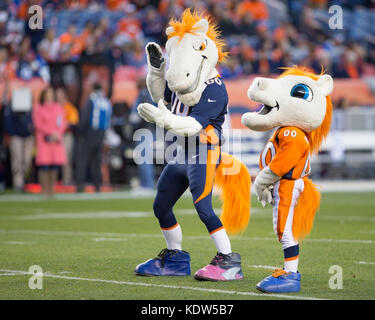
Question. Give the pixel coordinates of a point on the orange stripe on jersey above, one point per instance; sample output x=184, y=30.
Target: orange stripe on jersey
x=291, y=258
x=170, y=228
x=216, y=230
x=285, y=193
x=212, y=157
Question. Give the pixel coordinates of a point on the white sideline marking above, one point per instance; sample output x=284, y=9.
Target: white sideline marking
x=108, y=239
x=364, y=262
x=262, y=267
x=8, y=274
x=142, y=284
x=84, y=215
x=140, y=235
x=368, y=231
x=19, y=242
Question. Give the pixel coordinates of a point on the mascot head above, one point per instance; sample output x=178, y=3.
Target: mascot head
x=194, y=49
x=298, y=98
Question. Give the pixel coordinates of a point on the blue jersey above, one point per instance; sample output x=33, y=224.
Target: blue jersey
x=209, y=111
x=100, y=113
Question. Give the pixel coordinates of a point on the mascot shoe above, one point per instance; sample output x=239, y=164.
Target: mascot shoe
x=281, y=282
x=223, y=267
x=167, y=263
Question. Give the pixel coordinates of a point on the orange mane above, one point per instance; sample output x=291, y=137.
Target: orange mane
x=316, y=136
x=186, y=24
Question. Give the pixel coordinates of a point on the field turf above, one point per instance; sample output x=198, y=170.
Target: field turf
x=88, y=249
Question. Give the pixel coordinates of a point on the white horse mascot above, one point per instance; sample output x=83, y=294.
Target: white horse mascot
x=197, y=104
x=299, y=106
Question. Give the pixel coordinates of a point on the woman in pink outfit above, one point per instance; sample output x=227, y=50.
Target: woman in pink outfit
x=50, y=125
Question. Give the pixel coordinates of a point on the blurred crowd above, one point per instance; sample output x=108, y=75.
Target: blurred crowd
x=261, y=35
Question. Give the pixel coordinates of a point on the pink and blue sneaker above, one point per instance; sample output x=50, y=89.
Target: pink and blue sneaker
x=223, y=267
x=167, y=263
x=281, y=282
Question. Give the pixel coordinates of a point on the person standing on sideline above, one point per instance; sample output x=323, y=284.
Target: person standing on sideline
x=50, y=125
x=146, y=170
x=72, y=118
x=95, y=119
x=18, y=125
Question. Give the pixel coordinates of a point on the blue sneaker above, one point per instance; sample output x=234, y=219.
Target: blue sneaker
x=167, y=263
x=281, y=282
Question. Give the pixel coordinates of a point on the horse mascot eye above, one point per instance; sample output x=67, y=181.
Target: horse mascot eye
x=202, y=46
x=301, y=91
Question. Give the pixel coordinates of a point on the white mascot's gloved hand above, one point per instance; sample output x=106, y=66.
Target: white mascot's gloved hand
x=181, y=126
x=155, y=59
x=153, y=114
x=263, y=186
x=155, y=79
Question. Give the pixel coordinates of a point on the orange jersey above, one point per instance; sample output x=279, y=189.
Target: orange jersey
x=287, y=154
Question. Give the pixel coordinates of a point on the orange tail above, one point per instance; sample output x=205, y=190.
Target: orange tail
x=305, y=210
x=233, y=179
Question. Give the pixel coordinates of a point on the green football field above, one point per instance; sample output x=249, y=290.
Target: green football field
x=88, y=247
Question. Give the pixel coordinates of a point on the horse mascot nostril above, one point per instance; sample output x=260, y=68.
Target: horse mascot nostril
x=198, y=104
x=298, y=104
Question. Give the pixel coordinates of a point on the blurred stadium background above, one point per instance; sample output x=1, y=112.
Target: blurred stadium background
x=83, y=42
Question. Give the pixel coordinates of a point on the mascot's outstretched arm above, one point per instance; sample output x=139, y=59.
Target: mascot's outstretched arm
x=155, y=77
x=181, y=126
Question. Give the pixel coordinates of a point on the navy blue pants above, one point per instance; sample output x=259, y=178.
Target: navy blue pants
x=176, y=178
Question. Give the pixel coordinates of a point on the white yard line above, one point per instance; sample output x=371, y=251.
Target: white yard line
x=108, y=239
x=142, y=284
x=364, y=262
x=262, y=267
x=23, y=243
x=367, y=231
x=8, y=274
x=325, y=186
x=141, y=235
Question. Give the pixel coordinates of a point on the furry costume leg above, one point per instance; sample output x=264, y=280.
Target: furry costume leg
x=286, y=194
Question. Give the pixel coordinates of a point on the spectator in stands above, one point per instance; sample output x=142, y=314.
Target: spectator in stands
x=256, y=8
x=136, y=56
x=49, y=46
x=19, y=127
x=94, y=121
x=153, y=25
x=231, y=68
x=7, y=71
x=67, y=41
x=72, y=118
x=349, y=65
x=50, y=125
